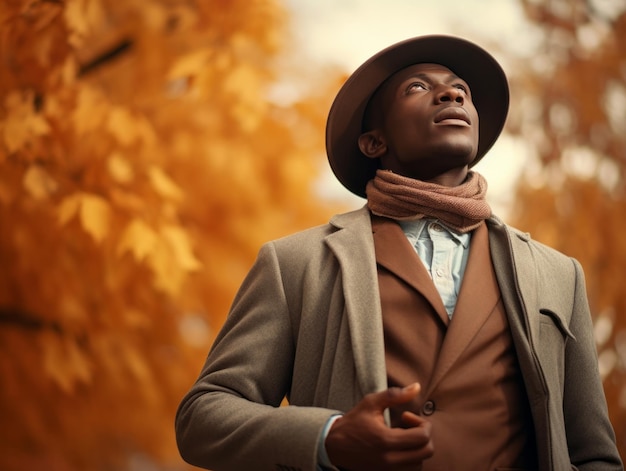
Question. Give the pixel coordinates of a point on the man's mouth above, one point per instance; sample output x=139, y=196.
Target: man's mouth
x=453, y=115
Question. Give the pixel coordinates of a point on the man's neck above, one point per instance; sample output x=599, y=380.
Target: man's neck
x=453, y=177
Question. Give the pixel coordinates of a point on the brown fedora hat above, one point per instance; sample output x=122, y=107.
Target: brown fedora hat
x=490, y=94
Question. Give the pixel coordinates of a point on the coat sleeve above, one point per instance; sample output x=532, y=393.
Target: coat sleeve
x=232, y=418
x=590, y=436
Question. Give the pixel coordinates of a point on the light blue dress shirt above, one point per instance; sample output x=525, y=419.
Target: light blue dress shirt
x=444, y=253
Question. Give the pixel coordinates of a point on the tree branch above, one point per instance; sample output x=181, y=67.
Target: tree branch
x=26, y=321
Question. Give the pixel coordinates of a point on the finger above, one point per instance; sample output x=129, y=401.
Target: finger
x=391, y=397
x=410, y=457
x=411, y=419
x=409, y=438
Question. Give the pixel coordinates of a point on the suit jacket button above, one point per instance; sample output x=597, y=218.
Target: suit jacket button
x=428, y=408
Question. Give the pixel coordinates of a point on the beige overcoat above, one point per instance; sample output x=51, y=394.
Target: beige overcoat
x=306, y=324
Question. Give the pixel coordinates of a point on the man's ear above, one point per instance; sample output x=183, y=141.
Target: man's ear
x=372, y=144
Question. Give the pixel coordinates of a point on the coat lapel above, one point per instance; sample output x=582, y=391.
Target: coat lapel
x=526, y=279
x=394, y=252
x=353, y=246
x=515, y=271
x=477, y=300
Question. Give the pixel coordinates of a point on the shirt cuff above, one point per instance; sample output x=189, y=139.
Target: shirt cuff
x=323, y=463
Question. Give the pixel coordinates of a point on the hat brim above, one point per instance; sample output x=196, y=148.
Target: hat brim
x=487, y=81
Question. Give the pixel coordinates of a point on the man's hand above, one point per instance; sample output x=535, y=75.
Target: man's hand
x=361, y=440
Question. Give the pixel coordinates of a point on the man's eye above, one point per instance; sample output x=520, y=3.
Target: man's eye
x=416, y=86
x=461, y=87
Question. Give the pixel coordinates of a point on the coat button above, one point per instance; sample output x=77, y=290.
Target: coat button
x=428, y=408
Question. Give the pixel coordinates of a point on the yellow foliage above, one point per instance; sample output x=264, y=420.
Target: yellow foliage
x=163, y=184
x=64, y=362
x=38, y=182
x=177, y=240
x=119, y=168
x=190, y=64
x=81, y=17
x=95, y=216
x=91, y=110
x=93, y=211
x=68, y=208
x=141, y=167
x=138, y=238
x=21, y=124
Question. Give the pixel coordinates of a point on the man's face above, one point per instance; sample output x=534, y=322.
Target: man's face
x=427, y=122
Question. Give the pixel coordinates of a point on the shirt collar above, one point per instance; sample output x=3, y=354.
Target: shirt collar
x=415, y=227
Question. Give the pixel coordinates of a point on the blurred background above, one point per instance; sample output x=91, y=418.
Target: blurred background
x=149, y=147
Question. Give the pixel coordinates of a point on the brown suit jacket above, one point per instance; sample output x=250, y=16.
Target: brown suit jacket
x=472, y=388
x=307, y=323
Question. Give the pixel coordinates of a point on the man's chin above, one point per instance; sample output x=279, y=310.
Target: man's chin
x=452, y=158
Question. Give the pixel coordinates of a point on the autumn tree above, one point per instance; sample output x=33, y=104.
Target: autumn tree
x=141, y=166
x=570, y=106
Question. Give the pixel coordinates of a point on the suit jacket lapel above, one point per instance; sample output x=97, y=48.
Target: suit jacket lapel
x=394, y=252
x=477, y=300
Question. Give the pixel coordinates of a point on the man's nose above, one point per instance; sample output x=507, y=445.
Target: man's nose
x=450, y=93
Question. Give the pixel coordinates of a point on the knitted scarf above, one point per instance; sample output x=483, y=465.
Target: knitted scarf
x=461, y=208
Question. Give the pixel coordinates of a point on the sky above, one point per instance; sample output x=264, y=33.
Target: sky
x=348, y=32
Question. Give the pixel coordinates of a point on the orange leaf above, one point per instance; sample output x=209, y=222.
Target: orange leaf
x=138, y=238
x=179, y=242
x=22, y=123
x=91, y=110
x=38, y=182
x=189, y=64
x=172, y=259
x=122, y=125
x=68, y=208
x=163, y=184
x=168, y=274
x=95, y=216
x=64, y=362
x=119, y=168
x=127, y=128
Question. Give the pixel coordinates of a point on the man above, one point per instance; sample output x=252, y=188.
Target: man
x=419, y=332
